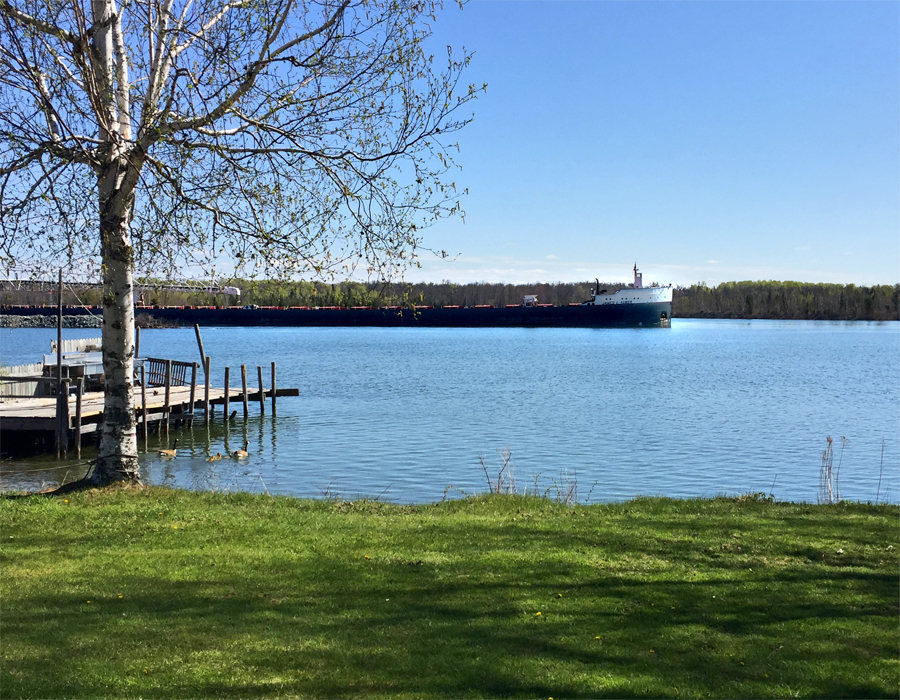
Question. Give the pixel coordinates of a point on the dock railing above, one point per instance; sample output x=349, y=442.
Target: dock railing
x=62, y=405
x=156, y=371
x=24, y=387
x=159, y=369
x=20, y=380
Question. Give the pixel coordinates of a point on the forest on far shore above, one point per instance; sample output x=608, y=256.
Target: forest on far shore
x=760, y=299
x=789, y=300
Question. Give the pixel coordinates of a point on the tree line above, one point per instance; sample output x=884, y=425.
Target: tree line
x=152, y=292
x=789, y=300
x=761, y=299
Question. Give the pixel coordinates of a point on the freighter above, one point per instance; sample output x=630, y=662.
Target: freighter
x=633, y=307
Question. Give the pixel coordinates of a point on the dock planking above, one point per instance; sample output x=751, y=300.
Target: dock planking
x=165, y=391
x=40, y=414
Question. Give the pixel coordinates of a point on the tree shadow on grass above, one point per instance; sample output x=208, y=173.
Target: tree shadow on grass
x=421, y=634
x=452, y=611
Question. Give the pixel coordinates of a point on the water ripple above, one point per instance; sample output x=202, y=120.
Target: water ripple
x=701, y=409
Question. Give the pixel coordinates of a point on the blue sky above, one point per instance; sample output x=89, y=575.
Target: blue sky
x=706, y=141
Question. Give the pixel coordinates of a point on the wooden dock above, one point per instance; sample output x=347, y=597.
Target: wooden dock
x=62, y=421
x=40, y=414
x=64, y=403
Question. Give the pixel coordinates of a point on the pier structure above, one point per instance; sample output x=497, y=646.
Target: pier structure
x=166, y=394
x=66, y=400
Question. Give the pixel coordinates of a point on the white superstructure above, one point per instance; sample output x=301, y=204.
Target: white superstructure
x=639, y=294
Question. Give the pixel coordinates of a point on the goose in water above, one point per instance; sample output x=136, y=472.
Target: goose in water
x=240, y=454
x=169, y=453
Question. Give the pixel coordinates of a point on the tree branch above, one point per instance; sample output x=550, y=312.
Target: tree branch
x=6, y=7
x=206, y=27
x=315, y=32
x=253, y=71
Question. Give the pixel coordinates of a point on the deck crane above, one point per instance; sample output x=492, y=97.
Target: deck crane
x=138, y=289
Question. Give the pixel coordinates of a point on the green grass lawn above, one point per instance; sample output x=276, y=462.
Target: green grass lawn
x=157, y=593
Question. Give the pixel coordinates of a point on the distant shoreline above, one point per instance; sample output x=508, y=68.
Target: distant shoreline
x=144, y=320
x=776, y=300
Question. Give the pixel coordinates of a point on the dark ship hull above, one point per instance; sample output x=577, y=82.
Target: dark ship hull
x=633, y=315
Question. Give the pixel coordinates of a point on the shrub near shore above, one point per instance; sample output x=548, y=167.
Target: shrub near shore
x=160, y=593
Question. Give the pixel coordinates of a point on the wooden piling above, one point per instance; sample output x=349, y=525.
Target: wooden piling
x=244, y=388
x=262, y=392
x=137, y=342
x=206, y=391
x=79, y=391
x=193, y=391
x=63, y=417
x=200, y=345
x=144, y=402
x=274, y=391
x=59, y=331
x=227, y=390
x=168, y=388
x=58, y=415
x=59, y=385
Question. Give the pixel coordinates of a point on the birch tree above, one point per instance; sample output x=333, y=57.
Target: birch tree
x=285, y=136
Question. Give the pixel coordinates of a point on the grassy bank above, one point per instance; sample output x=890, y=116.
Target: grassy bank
x=167, y=594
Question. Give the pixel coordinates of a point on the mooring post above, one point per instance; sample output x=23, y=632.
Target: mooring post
x=206, y=390
x=137, y=342
x=168, y=389
x=244, y=388
x=79, y=388
x=193, y=391
x=59, y=385
x=200, y=345
x=262, y=392
x=59, y=331
x=274, y=391
x=227, y=390
x=64, y=419
x=58, y=416
x=144, y=402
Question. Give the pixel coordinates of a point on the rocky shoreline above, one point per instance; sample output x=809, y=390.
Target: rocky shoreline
x=50, y=321
x=41, y=321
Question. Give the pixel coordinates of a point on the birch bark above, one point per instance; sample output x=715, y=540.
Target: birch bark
x=116, y=180
x=117, y=456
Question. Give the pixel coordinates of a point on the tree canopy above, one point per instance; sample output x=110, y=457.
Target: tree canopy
x=280, y=135
x=286, y=135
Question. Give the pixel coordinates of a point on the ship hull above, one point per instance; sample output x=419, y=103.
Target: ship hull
x=583, y=316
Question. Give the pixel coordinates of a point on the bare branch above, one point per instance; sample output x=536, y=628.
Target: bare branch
x=7, y=8
x=314, y=33
x=253, y=71
x=206, y=27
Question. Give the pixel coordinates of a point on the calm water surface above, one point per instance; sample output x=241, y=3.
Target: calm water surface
x=700, y=409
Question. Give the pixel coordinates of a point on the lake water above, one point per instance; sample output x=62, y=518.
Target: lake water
x=701, y=409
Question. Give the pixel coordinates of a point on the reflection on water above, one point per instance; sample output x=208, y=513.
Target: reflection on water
x=189, y=469
x=703, y=408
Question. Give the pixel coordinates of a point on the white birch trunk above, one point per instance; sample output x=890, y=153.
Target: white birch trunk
x=116, y=180
x=117, y=456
